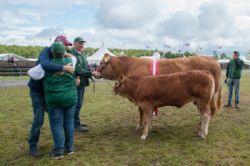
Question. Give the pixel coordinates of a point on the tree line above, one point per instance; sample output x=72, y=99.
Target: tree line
x=25, y=51
x=34, y=51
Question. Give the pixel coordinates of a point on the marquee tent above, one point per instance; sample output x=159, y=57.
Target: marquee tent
x=156, y=56
x=7, y=56
x=98, y=55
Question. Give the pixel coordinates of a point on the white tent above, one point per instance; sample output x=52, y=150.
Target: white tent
x=246, y=61
x=242, y=57
x=5, y=57
x=156, y=56
x=98, y=55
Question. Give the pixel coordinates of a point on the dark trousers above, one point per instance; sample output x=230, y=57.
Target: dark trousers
x=79, y=104
x=38, y=104
x=233, y=83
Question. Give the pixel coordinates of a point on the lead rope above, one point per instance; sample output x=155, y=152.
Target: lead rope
x=93, y=80
x=109, y=84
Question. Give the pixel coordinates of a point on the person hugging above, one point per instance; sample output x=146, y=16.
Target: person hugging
x=60, y=97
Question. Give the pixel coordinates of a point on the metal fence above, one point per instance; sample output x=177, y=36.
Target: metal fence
x=224, y=66
x=18, y=68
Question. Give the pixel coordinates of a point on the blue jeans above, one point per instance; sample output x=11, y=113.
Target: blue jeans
x=62, y=119
x=79, y=103
x=38, y=104
x=236, y=84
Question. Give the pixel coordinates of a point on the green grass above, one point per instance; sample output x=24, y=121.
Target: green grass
x=14, y=78
x=113, y=140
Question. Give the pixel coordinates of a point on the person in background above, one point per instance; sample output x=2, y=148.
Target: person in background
x=60, y=97
x=83, y=74
x=37, y=94
x=12, y=59
x=233, y=76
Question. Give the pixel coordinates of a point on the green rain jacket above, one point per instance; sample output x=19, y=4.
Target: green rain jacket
x=234, y=69
x=60, y=88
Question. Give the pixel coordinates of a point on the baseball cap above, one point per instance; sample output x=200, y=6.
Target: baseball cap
x=79, y=39
x=63, y=39
x=57, y=49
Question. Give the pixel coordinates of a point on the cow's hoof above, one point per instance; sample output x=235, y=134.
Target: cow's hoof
x=143, y=137
x=202, y=135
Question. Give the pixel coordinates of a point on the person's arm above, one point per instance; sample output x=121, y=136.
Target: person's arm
x=87, y=74
x=44, y=59
x=239, y=63
x=227, y=73
x=82, y=73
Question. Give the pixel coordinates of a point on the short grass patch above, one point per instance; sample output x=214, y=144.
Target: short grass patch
x=14, y=77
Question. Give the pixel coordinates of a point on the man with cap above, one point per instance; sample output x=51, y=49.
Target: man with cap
x=83, y=73
x=233, y=76
x=37, y=94
x=60, y=97
x=65, y=41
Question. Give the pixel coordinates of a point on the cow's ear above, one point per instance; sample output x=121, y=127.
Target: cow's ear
x=106, y=58
x=122, y=78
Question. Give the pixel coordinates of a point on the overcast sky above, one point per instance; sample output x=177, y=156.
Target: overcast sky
x=205, y=24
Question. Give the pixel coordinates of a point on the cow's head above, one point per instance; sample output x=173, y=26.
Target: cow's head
x=105, y=68
x=119, y=87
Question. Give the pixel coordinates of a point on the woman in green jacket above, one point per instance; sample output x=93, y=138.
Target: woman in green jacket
x=60, y=97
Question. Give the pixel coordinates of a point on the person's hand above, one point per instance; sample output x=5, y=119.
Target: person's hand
x=78, y=81
x=96, y=74
x=225, y=81
x=68, y=68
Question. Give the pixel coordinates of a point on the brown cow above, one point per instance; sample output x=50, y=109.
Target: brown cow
x=113, y=67
x=176, y=89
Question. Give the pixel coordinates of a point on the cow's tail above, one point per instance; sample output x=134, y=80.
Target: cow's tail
x=215, y=105
x=212, y=99
x=219, y=99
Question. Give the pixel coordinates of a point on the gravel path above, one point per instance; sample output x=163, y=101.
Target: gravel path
x=11, y=83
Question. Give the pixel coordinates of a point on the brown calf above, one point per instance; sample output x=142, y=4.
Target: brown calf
x=176, y=89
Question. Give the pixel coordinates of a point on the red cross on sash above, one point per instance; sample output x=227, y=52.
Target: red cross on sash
x=154, y=70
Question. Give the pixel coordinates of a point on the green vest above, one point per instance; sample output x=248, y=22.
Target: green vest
x=82, y=69
x=60, y=88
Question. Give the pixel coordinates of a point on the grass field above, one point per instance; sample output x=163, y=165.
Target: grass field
x=14, y=77
x=113, y=140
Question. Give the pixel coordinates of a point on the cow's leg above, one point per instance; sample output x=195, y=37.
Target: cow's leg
x=140, y=124
x=146, y=121
x=199, y=110
x=151, y=115
x=204, y=125
x=205, y=118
